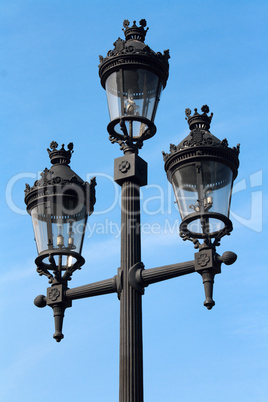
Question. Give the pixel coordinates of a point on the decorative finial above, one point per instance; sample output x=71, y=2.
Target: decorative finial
x=197, y=120
x=134, y=32
x=60, y=156
x=53, y=145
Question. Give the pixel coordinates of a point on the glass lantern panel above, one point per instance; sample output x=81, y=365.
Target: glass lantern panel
x=59, y=225
x=203, y=187
x=133, y=92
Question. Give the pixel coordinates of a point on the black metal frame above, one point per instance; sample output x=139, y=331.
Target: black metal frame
x=148, y=133
x=130, y=172
x=184, y=231
x=131, y=279
x=61, y=274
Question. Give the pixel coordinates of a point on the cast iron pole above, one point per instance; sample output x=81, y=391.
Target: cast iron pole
x=130, y=173
x=131, y=361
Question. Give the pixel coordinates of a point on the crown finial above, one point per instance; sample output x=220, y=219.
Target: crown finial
x=199, y=120
x=60, y=156
x=134, y=32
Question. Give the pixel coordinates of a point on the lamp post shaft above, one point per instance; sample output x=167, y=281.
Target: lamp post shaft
x=131, y=359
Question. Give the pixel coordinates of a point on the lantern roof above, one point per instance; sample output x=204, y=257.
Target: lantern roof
x=53, y=180
x=134, y=53
x=200, y=144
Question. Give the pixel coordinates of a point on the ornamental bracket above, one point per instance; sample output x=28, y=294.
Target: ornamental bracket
x=135, y=277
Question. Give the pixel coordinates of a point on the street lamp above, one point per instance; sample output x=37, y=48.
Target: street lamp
x=59, y=204
x=201, y=170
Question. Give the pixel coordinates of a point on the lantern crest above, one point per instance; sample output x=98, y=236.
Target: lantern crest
x=199, y=120
x=134, y=32
x=60, y=156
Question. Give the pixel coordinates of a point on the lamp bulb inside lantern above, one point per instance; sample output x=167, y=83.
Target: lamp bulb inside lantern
x=131, y=109
x=60, y=240
x=71, y=240
x=208, y=201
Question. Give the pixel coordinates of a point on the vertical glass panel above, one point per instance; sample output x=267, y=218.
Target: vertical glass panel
x=59, y=225
x=203, y=187
x=185, y=189
x=133, y=92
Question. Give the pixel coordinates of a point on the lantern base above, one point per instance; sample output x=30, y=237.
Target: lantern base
x=62, y=272
x=128, y=137
x=187, y=233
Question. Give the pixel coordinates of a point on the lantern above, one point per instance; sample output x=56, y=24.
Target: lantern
x=59, y=204
x=133, y=76
x=201, y=170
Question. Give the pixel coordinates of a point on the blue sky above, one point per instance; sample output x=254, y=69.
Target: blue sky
x=50, y=90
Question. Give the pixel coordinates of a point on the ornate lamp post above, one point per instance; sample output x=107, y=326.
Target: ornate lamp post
x=201, y=169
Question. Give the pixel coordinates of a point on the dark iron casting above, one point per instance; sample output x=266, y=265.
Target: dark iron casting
x=130, y=172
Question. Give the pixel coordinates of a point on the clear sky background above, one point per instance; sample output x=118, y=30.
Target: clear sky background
x=50, y=90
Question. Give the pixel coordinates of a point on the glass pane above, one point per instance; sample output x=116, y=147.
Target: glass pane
x=40, y=229
x=203, y=187
x=133, y=92
x=185, y=189
x=59, y=225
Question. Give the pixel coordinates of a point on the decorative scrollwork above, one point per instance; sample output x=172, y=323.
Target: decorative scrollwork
x=41, y=270
x=126, y=143
x=187, y=237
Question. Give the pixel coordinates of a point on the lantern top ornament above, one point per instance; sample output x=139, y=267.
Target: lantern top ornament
x=134, y=32
x=60, y=156
x=199, y=120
